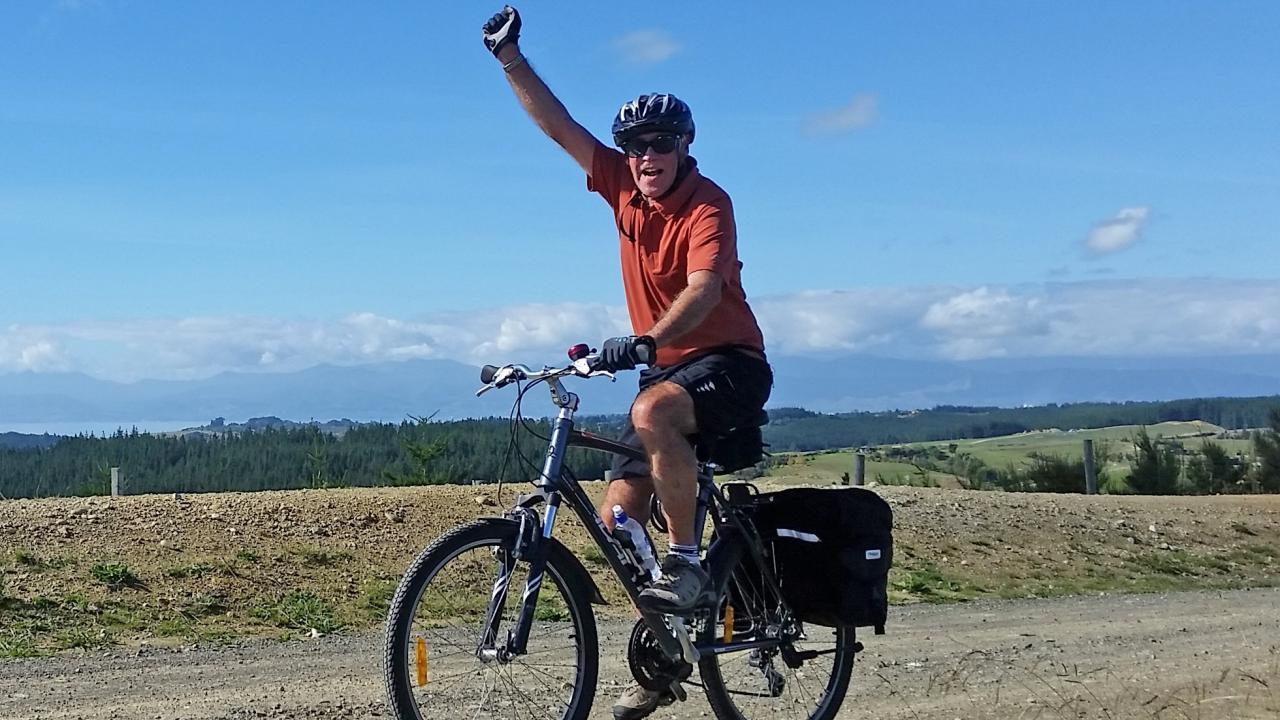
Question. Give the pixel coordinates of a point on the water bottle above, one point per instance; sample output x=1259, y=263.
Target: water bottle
x=639, y=541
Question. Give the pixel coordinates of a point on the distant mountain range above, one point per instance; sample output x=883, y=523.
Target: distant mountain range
x=395, y=391
x=26, y=442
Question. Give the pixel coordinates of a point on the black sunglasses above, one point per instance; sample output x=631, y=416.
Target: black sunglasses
x=661, y=145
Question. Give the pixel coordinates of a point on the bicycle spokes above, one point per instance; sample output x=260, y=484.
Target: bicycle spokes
x=456, y=657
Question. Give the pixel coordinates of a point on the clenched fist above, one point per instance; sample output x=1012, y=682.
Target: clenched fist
x=502, y=28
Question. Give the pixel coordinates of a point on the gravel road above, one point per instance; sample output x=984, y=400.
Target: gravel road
x=1178, y=655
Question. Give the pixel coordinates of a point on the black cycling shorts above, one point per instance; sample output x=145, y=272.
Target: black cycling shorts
x=729, y=389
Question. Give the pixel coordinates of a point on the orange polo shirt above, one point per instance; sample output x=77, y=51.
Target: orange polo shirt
x=663, y=241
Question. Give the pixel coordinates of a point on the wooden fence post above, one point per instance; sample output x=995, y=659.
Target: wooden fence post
x=1090, y=472
x=860, y=469
x=115, y=482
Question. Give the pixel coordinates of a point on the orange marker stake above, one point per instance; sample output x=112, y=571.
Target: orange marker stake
x=728, y=623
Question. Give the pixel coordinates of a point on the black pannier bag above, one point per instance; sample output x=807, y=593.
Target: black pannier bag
x=832, y=550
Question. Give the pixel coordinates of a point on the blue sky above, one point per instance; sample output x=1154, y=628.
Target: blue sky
x=187, y=188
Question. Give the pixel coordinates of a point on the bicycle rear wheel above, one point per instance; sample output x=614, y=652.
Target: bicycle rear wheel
x=760, y=683
x=437, y=622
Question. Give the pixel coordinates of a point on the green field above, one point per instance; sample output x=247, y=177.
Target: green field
x=826, y=467
x=999, y=452
x=1015, y=449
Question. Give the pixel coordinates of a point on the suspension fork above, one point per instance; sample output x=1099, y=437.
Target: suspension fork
x=527, y=545
x=498, y=599
x=531, y=545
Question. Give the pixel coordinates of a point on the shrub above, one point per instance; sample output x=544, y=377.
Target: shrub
x=1214, y=471
x=114, y=575
x=300, y=611
x=1266, y=446
x=1155, y=467
x=1055, y=473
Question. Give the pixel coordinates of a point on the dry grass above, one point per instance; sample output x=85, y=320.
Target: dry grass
x=348, y=546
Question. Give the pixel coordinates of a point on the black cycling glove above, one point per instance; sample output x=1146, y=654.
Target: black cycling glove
x=624, y=353
x=501, y=29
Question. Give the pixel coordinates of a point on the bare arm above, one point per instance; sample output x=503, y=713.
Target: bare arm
x=690, y=308
x=546, y=110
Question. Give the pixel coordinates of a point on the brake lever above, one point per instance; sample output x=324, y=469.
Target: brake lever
x=583, y=368
x=502, y=378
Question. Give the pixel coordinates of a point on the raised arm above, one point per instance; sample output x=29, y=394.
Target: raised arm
x=502, y=36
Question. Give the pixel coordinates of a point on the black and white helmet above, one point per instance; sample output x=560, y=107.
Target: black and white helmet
x=655, y=112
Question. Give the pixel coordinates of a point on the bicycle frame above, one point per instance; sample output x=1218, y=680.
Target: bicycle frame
x=554, y=486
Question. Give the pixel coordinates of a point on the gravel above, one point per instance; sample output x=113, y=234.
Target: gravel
x=1172, y=655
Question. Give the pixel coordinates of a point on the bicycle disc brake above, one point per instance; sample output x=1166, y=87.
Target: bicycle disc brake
x=649, y=665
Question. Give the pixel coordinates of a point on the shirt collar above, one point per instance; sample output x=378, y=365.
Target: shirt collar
x=675, y=200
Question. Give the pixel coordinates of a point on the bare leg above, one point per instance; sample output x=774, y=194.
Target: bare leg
x=632, y=494
x=663, y=418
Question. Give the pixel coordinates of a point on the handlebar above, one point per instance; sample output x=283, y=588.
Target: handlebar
x=495, y=377
x=583, y=364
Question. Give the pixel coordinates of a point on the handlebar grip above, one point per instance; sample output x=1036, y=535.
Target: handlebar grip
x=645, y=353
x=487, y=373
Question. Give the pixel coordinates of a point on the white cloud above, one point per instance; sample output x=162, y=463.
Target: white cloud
x=1118, y=232
x=976, y=323
x=837, y=320
x=1093, y=318
x=41, y=356
x=862, y=111
x=183, y=348
x=983, y=313
x=1101, y=317
x=22, y=350
x=647, y=47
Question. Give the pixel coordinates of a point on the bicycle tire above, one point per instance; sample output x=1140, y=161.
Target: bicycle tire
x=738, y=690
x=426, y=619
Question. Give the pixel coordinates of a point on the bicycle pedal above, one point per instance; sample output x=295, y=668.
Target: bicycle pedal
x=678, y=690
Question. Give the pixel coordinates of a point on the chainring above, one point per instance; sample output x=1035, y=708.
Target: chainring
x=649, y=665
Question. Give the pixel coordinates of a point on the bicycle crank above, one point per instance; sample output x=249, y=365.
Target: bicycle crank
x=650, y=666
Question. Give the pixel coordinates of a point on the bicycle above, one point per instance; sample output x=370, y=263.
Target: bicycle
x=460, y=644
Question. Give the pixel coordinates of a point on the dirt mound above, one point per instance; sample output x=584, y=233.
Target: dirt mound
x=79, y=572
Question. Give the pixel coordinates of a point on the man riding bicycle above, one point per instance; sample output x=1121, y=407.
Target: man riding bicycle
x=682, y=280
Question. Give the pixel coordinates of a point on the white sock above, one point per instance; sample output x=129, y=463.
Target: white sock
x=688, y=552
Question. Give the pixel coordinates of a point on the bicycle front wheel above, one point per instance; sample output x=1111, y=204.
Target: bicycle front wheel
x=761, y=683
x=434, y=666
